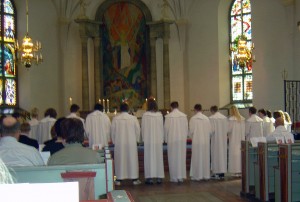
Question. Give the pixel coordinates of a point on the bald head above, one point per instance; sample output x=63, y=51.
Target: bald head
x=10, y=126
x=279, y=122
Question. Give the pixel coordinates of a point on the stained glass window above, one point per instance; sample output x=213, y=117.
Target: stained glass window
x=8, y=73
x=241, y=77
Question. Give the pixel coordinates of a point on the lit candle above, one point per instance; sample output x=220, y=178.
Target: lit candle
x=115, y=111
x=99, y=101
x=107, y=105
x=70, y=101
x=146, y=100
x=154, y=98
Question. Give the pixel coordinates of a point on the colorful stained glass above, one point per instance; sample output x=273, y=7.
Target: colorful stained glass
x=237, y=88
x=9, y=60
x=10, y=91
x=241, y=25
x=9, y=28
x=1, y=66
x=1, y=96
x=248, y=87
x=8, y=7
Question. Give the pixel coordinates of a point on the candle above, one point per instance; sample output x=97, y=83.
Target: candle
x=70, y=101
x=107, y=105
x=99, y=101
x=103, y=104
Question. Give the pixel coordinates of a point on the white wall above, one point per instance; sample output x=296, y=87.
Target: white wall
x=198, y=74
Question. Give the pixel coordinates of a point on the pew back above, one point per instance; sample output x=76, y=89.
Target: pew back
x=103, y=181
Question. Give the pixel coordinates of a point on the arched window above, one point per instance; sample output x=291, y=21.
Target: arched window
x=8, y=72
x=241, y=77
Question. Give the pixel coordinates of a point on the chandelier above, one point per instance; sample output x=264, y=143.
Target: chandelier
x=242, y=52
x=29, y=52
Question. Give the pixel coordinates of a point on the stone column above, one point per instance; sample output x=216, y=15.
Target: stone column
x=89, y=29
x=85, y=74
x=166, y=72
x=153, y=73
x=98, y=69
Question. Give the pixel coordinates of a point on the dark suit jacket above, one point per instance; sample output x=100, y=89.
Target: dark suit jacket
x=29, y=141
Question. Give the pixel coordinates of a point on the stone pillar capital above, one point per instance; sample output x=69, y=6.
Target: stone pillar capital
x=88, y=28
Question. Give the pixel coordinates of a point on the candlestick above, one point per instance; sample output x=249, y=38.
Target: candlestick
x=107, y=105
x=103, y=105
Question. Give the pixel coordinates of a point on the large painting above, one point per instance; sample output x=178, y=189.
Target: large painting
x=124, y=55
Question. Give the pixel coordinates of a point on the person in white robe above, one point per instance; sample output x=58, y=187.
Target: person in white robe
x=219, y=124
x=236, y=134
x=153, y=137
x=268, y=126
x=288, y=122
x=97, y=126
x=34, y=122
x=45, y=125
x=254, y=125
x=280, y=131
x=125, y=133
x=200, y=131
x=74, y=113
x=176, y=132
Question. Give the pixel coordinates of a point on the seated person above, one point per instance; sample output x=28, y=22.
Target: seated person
x=280, y=131
x=24, y=136
x=57, y=142
x=12, y=152
x=74, y=152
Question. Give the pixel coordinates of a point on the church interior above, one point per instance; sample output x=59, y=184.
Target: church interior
x=108, y=51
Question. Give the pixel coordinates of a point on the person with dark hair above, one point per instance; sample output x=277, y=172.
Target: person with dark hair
x=97, y=126
x=219, y=125
x=12, y=152
x=74, y=113
x=200, y=131
x=57, y=143
x=73, y=153
x=125, y=133
x=153, y=137
x=269, y=114
x=24, y=136
x=45, y=125
x=176, y=132
x=268, y=126
x=254, y=125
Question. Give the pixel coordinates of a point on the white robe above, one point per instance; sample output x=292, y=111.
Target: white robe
x=153, y=137
x=125, y=133
x=97, y=127
x=219, y=124
x=200, y=131
x=236, y=135
x=176, y=132
x=280, y=131
x=34, y=123
x=254, y=127
x=268, y=126
x=44, y=129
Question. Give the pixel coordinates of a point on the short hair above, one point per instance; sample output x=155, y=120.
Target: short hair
x=198, y=107
x=50, y=112
x=269, y=114
x=174, y=104
x=25, y=127
x=263, y=111
x=57, y=126
x=74, y=108
x=152, y=105
x=99, y=107
x=34, y=112
x=252, y=110
x=72, y=130
x=11, y=129
x=124, y=107
x=279, y=122
x=214, y=108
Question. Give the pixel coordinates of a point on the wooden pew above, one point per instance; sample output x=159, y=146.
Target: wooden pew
x=249, y=157
x=288, y=173
x=264, y=171
x=103, y=182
